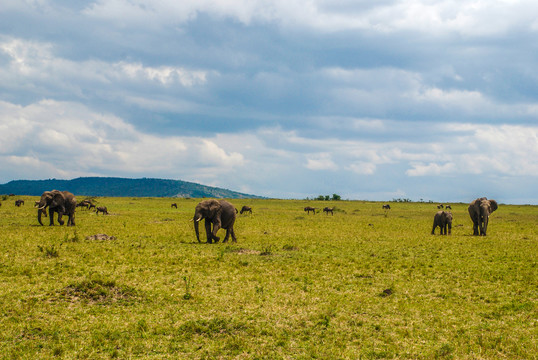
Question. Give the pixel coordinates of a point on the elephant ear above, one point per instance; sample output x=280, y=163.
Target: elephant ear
x=214, y=209
x=493, y=205
x=58, y=200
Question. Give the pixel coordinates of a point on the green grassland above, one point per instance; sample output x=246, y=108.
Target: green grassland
x=362, y=284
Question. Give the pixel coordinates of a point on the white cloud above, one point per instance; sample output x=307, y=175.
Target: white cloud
x=429, y=17
x=37, y=61
x=67, y=139
x=321, y=161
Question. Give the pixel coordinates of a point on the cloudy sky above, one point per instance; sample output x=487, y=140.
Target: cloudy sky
x=372, y=100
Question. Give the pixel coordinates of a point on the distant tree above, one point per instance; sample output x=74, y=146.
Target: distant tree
x=336, y=197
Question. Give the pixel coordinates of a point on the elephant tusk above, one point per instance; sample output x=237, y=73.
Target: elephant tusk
x=42, y=207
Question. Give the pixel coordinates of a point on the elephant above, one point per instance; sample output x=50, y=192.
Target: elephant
x=443, y=219
x=386, y=207
x=479, y=210
x=310, y=208
x=220, y=214
x=246, y=209
x=102, y=209
x=174, y=205
x=62, y=202
x=328, y=210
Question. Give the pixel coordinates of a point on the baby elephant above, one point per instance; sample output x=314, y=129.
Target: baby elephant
x=102, y=209
x=443, y=219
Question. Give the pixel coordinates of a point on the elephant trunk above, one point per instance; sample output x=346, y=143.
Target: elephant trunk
x=40, y=210
x=197, y=219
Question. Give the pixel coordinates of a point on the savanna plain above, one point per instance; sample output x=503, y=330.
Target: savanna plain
x=364, y=283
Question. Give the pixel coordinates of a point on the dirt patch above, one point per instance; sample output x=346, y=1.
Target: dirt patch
x=98, y=291
x=100, y=237
x=247, y=252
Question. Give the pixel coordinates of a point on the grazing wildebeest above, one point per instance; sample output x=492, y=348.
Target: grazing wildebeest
x=102, y=209
x=174, y=205
x=310, y=208
x=84, y=204
x=246, y=209
x=386, y=206
x=19, y=202
x=328, y=210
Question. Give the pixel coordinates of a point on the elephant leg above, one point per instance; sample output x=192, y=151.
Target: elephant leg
x=71, y=220
x=60, y=214
x=232, y=232
x=475, y=226
x=208, y=231
x=51, y=217
x=227, y=235
x=216, y=227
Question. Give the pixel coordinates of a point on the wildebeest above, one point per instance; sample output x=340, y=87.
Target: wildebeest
x=327, y=210
x=310, y=208
x=85, y=204
x=246, y=209
x=174, y=205
x=19, y=202
x=386, y=206
x=102, y=209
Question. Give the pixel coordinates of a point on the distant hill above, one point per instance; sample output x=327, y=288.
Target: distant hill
x=121, y=187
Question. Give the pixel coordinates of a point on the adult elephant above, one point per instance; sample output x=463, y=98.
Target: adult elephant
x=62, y=202
x=217, y=214
x=479, y=210
x=443, y=219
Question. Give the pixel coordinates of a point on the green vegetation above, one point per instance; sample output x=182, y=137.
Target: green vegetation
x=363, y=284
x=121, y=187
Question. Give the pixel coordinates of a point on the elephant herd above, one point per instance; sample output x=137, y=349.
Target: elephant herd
x=479, y=211
x=221, y=214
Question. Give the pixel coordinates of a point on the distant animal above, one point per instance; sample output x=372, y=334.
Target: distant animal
x=440, y=206
x=217, y=214
x=310, y=208
x=443, y=219
x=85, y=203
x=61, y=202
x=19, y=202
x=448, y=207
x=479, y=210
x=328, y=210
x=246, y=209
x=92, y=206
x=102, y=209
x=386, y=206
x=174, y=205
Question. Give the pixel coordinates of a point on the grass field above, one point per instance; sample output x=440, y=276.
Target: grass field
x=362, y=284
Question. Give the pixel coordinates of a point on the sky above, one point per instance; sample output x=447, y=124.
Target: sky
x=371, y=100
